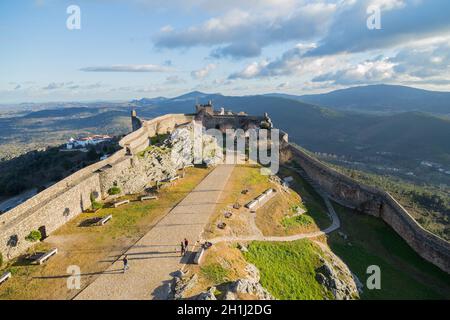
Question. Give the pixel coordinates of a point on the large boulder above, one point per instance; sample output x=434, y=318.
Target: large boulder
x=336, y=278
x=182, y=141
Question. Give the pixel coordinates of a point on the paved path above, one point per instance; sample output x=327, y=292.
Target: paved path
x=257, y=234
x=153, y=259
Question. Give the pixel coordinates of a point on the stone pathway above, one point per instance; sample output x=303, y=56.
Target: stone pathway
x=258, y=235
x=155, y=257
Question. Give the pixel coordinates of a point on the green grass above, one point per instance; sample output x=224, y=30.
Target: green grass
x=312, y=203
x=302, y=220
x=404, y=274
x=215, y=273
x=288, y=269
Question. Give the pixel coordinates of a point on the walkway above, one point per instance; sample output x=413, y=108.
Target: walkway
x=155, y=257
x=258, y=235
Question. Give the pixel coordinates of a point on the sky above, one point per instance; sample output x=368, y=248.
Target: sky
x=129, y=49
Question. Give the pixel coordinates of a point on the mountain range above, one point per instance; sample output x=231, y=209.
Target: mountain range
x=354, y=124
x=379, y=99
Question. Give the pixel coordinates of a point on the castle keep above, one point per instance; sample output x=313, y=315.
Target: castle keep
x=61, y=202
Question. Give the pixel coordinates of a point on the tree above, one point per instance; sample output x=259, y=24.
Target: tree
x=34, y=236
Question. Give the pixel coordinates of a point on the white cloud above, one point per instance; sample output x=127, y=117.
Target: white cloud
x=203, y=72
x=243, y=33
x=128, y=68
x=373, y=71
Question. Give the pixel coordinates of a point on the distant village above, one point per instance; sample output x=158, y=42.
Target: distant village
x=87, y=141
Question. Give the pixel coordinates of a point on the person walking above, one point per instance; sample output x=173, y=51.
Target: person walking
x=182, y=248
x=186, y=243
x=125, y=264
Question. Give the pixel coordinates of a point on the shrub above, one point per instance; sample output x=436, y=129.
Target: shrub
x=34, y=236
x=114, y=190
x=95, y=204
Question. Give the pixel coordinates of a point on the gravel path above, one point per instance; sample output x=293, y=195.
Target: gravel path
x=258, y=235
x=155, y=257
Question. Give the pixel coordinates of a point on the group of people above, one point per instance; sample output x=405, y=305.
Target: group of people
x=184, y=246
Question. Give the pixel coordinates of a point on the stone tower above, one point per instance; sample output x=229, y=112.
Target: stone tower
x=136, y=123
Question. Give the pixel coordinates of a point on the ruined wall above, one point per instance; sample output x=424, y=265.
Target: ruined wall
x=372, y=201
x=69, y=197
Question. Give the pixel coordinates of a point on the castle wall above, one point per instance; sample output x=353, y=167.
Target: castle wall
x=230, y=121
x=375, y=202
x=50, y=214
x=67, y=198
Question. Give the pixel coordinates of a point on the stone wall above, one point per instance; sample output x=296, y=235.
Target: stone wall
x=375, y=202
x=61, y=202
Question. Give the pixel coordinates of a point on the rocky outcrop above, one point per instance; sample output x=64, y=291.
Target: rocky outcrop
x=337, y=278
x=249, y=286
x=182, y=284
x=133, y=175
x=182, y=142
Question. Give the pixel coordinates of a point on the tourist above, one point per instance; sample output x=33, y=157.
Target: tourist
x=186, y=243
x=125, y=264
x=182, y=248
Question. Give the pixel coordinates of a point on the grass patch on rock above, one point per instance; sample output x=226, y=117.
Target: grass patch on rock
x=288, y=269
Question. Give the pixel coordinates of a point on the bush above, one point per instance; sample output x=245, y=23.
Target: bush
x=34, y=236
x=114, y=190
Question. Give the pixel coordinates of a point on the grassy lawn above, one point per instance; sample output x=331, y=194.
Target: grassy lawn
x=404, y=274
x=276, y=217
x=288, y=269
x=92, y=248
x=243, y=177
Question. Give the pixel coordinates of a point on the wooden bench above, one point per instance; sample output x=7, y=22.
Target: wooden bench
x=199, y=255
x=5, y=277
x=118, y=204
x=46, y=256
x=104, y=220
x=251, y=204
x=143, y=198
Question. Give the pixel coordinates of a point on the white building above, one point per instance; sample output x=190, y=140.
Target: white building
x=84, y=142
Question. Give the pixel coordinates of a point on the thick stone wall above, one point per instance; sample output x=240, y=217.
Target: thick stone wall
x=48, y=215
x=69, y=197
x=375, y=202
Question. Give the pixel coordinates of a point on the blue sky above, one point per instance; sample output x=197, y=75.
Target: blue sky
x=146, y=48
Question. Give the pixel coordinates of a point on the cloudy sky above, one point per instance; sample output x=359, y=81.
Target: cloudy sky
x=130, y=49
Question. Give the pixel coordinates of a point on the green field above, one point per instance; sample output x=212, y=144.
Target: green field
x=288, y=269
x=404, y=274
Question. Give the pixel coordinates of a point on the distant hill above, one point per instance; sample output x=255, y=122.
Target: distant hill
x=402, y=139
x=410, y=136
x=380, y=98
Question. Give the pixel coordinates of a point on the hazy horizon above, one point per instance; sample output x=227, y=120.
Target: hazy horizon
x=126, y=50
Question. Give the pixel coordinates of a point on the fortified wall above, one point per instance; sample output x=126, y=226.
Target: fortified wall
x=372, y=201
x=56, y=205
